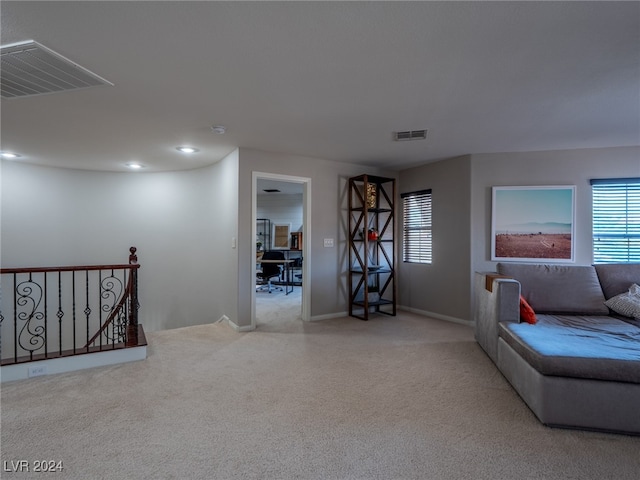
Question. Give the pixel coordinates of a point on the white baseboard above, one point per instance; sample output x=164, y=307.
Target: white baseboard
x=439, y=316
x=328, y=316
x=238, y=328
x=424, y=313
x=52, y=366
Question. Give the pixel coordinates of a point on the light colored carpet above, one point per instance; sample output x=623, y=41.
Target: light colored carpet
x=277, y=309
x=403, y=397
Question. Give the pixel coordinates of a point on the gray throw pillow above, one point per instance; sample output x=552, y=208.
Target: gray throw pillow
x=627, y=303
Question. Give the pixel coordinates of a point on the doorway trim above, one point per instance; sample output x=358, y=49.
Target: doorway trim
x=306, y=237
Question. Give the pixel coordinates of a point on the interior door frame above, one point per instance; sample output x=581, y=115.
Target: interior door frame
x=306, y=237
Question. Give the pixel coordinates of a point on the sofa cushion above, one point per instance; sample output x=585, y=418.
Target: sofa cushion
x=595, y=347
x=615, y=278
x=527, y=314
x=627, y=303
x=558, y=288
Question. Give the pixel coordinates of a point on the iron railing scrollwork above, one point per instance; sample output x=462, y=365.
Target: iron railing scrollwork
x=61, y=311
x=33, y=332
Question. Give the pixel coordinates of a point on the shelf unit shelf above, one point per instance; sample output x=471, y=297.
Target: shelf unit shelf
x=372, y=247
x=263, y=231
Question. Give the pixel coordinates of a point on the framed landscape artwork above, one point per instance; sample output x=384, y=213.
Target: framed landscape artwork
x=533, y=224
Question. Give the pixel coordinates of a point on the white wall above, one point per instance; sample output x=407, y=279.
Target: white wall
x=281, y=209
x=462, y=215
x=562, y=167
x=328, y=220
x=441, y=288
x=224, y=214
x=188, y=269
x=183, y=224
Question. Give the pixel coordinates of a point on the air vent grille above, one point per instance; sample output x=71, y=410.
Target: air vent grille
x=410, y=135
x=29, y=68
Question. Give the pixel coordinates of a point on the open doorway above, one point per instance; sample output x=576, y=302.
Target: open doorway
x=280, y=227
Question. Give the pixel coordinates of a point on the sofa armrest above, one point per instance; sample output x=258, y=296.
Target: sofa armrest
x=497, y=299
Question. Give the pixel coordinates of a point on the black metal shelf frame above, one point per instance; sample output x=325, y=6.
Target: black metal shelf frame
x=372, y=248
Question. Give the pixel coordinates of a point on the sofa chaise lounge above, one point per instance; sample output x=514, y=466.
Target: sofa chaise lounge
x=578, y=366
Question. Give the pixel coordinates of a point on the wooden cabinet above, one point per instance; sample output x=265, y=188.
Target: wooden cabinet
x=372, y=250
x=296, y=241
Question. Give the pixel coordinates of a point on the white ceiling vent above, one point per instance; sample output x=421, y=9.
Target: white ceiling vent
x=29, y=68
x=410, y=135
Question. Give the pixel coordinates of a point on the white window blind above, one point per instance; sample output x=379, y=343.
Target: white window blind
x=417, y=239
x=616, y=220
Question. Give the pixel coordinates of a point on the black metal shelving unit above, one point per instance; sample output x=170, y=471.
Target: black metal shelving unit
x=263, y=232
x=372, y=246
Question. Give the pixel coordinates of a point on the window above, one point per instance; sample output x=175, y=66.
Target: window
x=616, y=220
x=417, y=241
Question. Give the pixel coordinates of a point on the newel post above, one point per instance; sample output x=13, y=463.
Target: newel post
x=132, y=327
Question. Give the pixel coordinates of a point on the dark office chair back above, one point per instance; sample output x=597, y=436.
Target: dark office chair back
x=270, y=270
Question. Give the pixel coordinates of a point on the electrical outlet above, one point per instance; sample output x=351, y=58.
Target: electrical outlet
x=328, y=242
x=37, y=370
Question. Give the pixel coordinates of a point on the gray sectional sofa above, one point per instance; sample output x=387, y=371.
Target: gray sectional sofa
x=578, y=366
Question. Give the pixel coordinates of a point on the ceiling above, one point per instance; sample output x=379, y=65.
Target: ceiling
x=328, y=80
x=283, y=187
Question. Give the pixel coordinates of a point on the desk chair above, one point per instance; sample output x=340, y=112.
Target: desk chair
x=295, y=266
x=270, y=270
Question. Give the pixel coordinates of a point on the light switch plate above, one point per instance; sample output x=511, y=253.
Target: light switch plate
x=328, y=242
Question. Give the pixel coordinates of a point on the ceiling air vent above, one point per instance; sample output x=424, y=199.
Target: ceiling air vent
x=29, y=68
x=410, y=135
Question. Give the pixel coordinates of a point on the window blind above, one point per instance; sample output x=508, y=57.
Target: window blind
x=417, y=240
x=616, y=220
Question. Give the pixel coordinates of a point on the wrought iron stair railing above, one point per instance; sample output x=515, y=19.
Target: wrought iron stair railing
x=53, y=312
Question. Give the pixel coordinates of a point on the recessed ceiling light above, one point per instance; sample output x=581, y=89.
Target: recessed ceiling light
x=134, y=166
x=186, y=149
x=9, y=155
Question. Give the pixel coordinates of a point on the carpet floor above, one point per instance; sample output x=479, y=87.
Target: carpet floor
x=403, y=397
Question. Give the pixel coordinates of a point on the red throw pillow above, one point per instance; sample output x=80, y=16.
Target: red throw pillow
x=526, y=312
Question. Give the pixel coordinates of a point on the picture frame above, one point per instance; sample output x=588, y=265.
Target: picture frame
x=280, y=237
x=533, y=223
